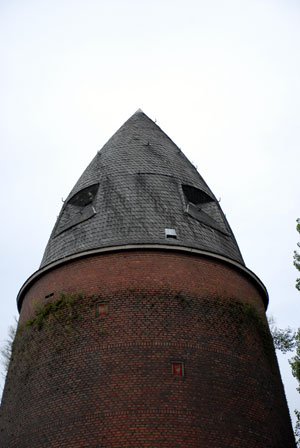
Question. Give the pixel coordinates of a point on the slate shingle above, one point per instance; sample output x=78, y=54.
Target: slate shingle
x=139, y=173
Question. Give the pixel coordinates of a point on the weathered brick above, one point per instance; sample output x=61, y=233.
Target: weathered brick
x=79, y=379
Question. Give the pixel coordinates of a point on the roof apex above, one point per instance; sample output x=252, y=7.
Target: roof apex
x=139, y=185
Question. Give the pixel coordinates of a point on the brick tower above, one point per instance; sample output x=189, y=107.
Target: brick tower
x=143, y=327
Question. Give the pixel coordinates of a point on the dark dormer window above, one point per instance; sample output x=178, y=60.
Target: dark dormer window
x=78, y=209
x=84, y=197
x=201, y=206
x=196, y=196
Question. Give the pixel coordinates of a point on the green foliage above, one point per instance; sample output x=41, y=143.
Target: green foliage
x=284, y=339
x=53, y=310
x=288, y=340
x=52, y=317
x=295, y=361
x=6, y=350
x=297, y=428
x=297, y=256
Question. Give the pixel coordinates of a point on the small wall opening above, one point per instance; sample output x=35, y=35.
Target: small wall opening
x=178, y=369
x=101, y=309
x=170, y=233
x=49, y=295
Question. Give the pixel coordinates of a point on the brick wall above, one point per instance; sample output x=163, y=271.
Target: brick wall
x=96, y=370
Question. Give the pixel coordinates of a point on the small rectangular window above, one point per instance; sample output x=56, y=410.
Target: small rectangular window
x=178, y=368
x=102, y=309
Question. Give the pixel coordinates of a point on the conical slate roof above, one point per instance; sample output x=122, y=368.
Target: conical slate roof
x=140, y=189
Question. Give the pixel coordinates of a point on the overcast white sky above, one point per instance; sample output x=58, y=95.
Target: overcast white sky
x=222, y=80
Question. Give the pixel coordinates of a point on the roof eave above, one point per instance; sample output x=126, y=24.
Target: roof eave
x=37, y=274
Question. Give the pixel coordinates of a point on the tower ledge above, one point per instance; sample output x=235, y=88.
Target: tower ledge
x=247, y=272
